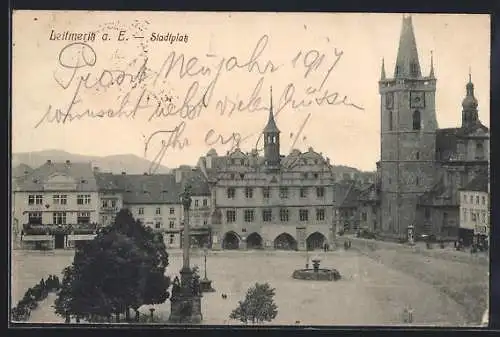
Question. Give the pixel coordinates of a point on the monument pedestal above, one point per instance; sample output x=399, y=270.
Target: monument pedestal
x=186, y=309
x=206, y=286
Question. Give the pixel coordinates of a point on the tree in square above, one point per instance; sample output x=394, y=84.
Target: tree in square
x=122, y=268
x=258, y=305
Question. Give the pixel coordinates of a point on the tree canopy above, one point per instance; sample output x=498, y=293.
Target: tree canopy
x=258, y=305
x=122, y=267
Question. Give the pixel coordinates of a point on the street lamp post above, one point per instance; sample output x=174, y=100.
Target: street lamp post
x=206, y=284
x=205, y=255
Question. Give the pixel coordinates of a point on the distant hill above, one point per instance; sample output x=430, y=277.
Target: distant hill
x=129, y=163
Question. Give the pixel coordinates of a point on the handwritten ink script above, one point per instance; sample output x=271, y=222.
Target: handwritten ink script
x=143, y=91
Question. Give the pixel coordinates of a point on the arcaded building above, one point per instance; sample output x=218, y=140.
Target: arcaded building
x=269, y=200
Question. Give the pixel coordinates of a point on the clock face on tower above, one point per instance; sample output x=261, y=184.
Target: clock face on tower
x=417, y=99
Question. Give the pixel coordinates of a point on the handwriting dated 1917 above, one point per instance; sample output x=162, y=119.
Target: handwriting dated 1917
x=143, y=87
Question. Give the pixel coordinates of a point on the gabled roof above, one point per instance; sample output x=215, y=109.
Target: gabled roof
x=447, y=139
x=368, y=193
x=351, y=199
x=340, y=192
x=82, y=173
x=197, y=181
x=478, y=184
x=106, y=181
x=149, y=189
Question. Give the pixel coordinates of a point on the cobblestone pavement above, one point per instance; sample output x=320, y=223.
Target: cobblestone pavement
x=369, y=293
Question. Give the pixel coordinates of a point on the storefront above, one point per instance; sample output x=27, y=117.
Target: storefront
x=37, y=242
x=76, y=240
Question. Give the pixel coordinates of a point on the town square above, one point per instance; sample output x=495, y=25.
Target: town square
x=288, y=228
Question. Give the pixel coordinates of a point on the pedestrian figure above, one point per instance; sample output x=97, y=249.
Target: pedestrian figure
x=408, y=315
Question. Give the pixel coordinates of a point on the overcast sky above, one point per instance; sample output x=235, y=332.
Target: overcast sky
x=348, y=133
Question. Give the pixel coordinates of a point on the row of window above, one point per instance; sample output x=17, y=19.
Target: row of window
x=475, y=216
x=109, y=203
x=267, y=215
x=140, y=210
x=283, y=192
x=58, y=218
x=471, y=199
x=204, y=203
x=59, y=199
x=84, y=199
x=304, y=161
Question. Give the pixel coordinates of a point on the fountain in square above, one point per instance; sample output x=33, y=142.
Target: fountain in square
x=316, y=273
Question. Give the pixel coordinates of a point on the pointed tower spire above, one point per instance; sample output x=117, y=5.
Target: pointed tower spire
x=382, y=75
x=271, y=99
x=431, y=75
x=271, y=124
x=271, y=140
x=407, y=63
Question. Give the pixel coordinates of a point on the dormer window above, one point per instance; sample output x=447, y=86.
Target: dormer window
x=84, y=181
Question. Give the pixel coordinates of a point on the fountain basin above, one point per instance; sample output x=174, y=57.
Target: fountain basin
x=320, y=274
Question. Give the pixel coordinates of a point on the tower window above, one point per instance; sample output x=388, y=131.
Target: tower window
x=416, y=120
x=397, y=70
x=479, y=151
x=414, y=69
x=417, y=155
x=390, y=120
x=417, y=181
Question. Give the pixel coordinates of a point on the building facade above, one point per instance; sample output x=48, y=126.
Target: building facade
x=270, y=201
x=475, y=210
x=57, y=204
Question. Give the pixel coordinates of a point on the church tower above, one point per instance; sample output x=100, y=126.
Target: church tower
x=469, y=107
x=408, y=136
x=271, y=140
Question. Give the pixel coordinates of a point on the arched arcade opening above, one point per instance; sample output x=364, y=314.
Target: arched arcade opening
x=231, y=241
x=315, y=241
x=254, y=241
x=285, y=241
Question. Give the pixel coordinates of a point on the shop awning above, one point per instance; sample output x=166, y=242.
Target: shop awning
x=37, y=238
x=81, y=237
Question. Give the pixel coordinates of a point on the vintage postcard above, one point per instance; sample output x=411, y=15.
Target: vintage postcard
x=224, y=168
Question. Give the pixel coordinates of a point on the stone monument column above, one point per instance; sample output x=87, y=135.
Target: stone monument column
x=186, y=301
